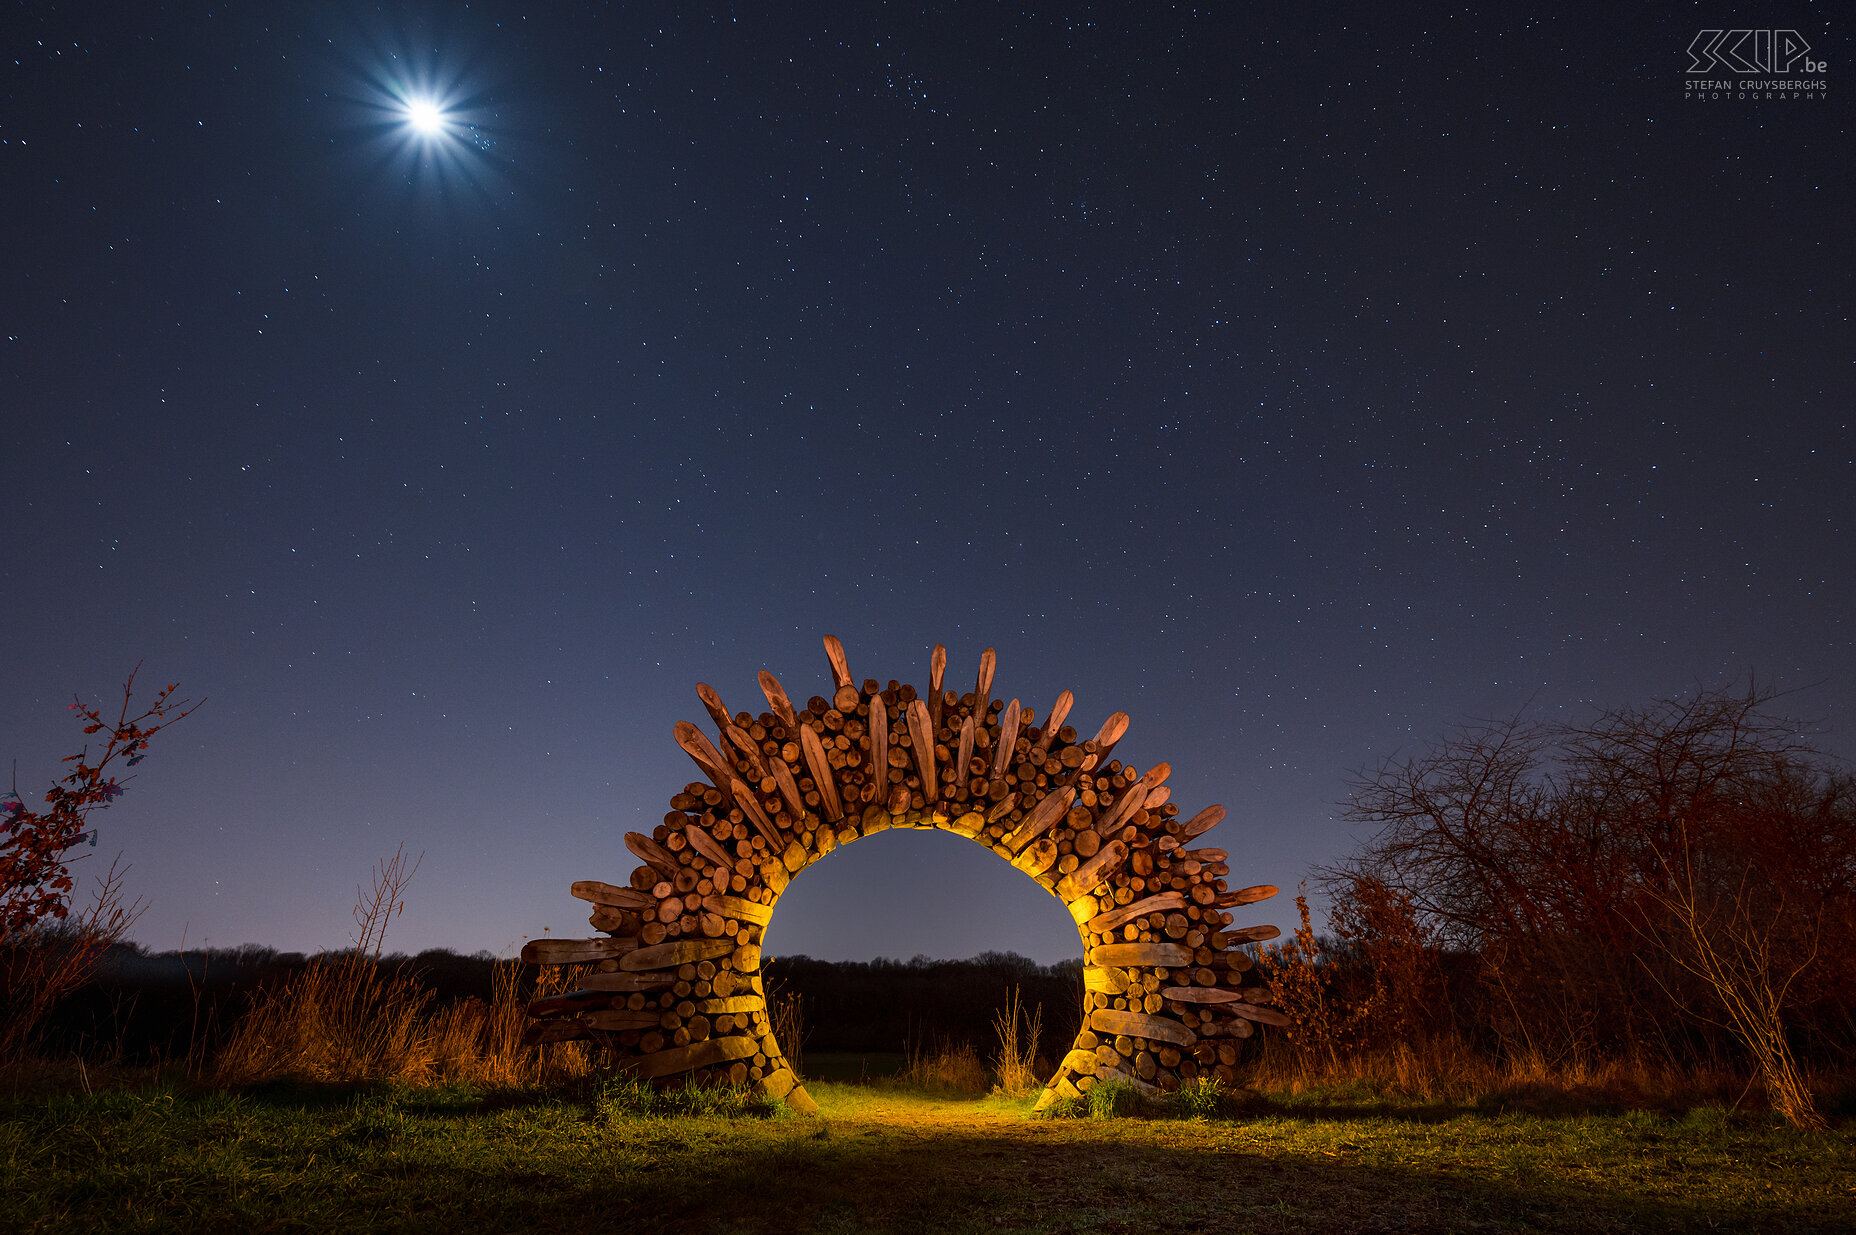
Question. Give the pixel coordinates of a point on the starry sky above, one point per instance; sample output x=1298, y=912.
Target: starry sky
x=1301, y=380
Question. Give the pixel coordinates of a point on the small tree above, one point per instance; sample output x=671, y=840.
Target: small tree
x=44, y=951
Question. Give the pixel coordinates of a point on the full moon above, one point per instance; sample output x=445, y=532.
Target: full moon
x=424, y=116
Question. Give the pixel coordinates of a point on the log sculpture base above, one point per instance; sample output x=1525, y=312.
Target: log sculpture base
x=676, y=988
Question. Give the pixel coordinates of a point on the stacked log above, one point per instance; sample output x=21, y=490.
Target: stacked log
x=676, y=990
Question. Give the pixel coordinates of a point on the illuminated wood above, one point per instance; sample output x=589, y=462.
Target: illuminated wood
x=1053, y=723
x=1111, y=847
x=712, y=704
x=840, y=669
x=1042, y=818
x=1140, y=1025
x=777, y=702
x=921, y=739
x=689, y=1058
x=1002, y=754
x=1092, y=873
x=649, y=851
x=608, y=894
x=739, y=909
x=677, y=952
x=821, y=773
x=577, y=951
x=1165, y=902
x=1133, y=955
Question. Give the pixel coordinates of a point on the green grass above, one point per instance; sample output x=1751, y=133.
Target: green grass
x=455, y=1159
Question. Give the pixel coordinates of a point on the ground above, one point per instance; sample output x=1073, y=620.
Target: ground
x=886, y=1160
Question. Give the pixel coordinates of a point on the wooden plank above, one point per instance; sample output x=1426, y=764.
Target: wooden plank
x=1133, y=798
x=1161, y=903
x=1003, y=750
x=1042, y=818
x=613, y=1020
x=703, y=754
x=1132, y=955
x=654, y=854
x=1200, y=994
x=963, y=755
x=712, y=704
x=570, y=1001
x=879, y=745
x=1243, y=896
x=1111, y=732
x=688, y=1058
x=731, y=1004
x=1204, y=821
x=777, y=702
x=1140, y=1025
x=739, y=739
x=740, y=909
x=789, y=791
x=921, y=738
x=1104, y=981
x=576, y=951
x=611, y=894
x=982, y=689
x=1092, y=873
x=937, y=672
x=1059, y=712
x=751, y=807
x=627, y=981
x=702, y=842
x=840, y=670
x=821, y=773
x=676, y=952
x=1257, y=1013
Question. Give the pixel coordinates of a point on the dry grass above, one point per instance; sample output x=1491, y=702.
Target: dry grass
x=945, y=1068
x=1446, y=1070
x=348, y=1017
x=1018, y=1031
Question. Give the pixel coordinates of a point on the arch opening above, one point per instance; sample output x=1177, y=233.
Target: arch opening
x=678, y=989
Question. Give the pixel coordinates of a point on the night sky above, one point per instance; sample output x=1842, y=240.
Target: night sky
x=1301, y=380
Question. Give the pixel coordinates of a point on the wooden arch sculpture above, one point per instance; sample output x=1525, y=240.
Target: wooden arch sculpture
x=676, y=989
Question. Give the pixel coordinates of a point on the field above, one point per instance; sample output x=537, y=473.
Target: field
x=883, y=1158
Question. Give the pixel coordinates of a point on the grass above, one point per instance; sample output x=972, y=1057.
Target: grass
x=293, y=1157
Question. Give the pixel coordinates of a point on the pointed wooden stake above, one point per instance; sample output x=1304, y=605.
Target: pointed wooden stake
x=704, y=755
x=921, y=738
x=982, y=689
x=777, y=701
x=937, y=670
x=1059, y=712
x=964, y=755
x=751, y=807
x=739, y=739
x=821, y=773
x=1042, y=818
x=712, y=702
x=1204, y=821
x=1003, y=753
x=840, y=670
x=879, y=744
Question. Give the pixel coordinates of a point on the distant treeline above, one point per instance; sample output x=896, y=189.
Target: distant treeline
x=146, y=1007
